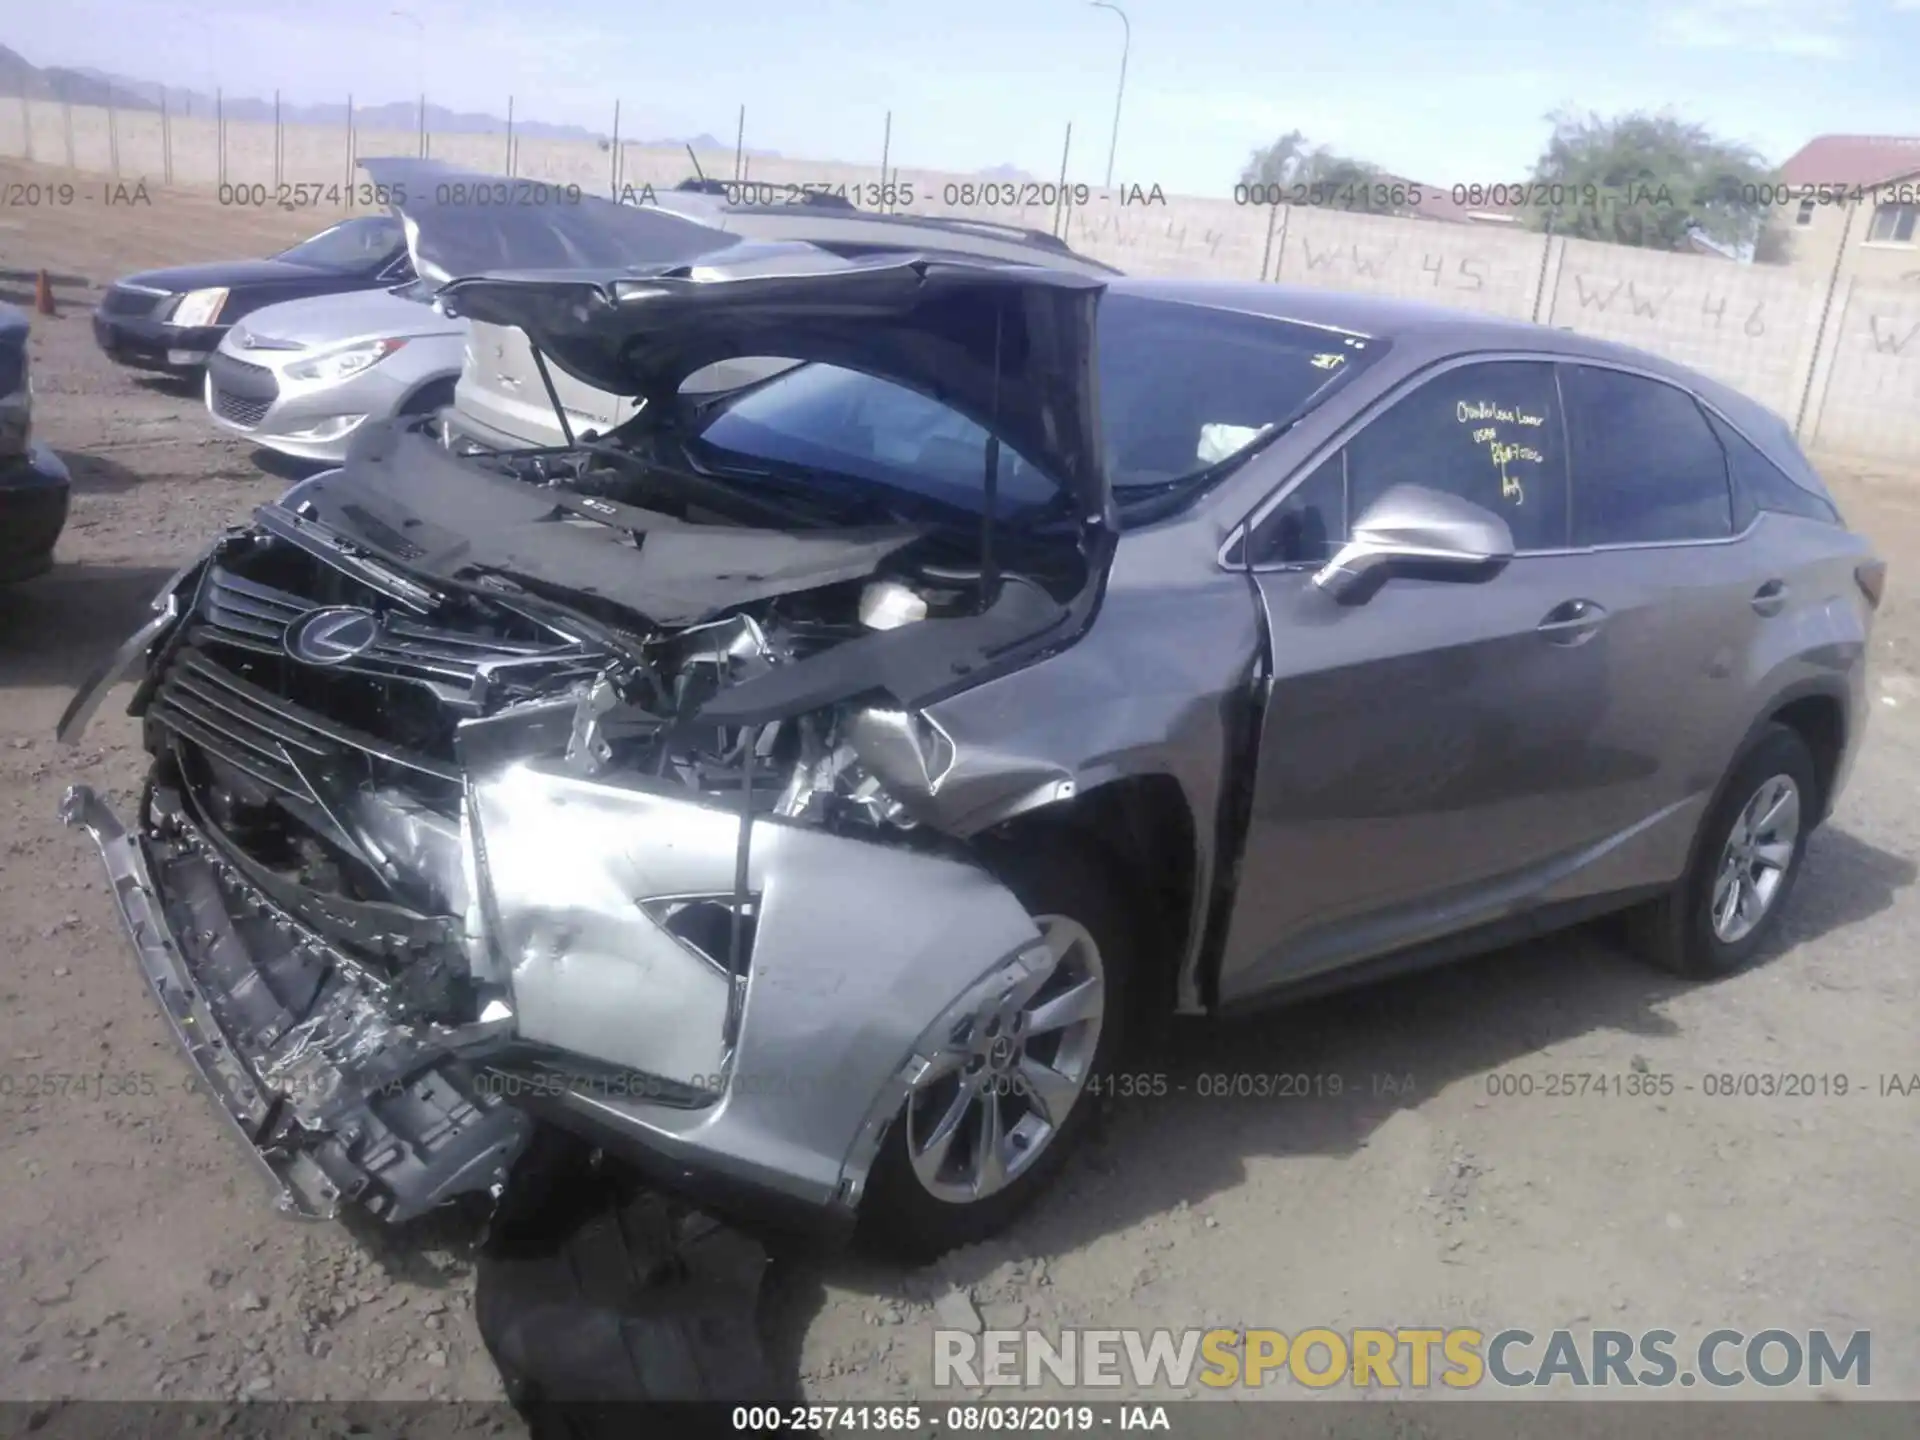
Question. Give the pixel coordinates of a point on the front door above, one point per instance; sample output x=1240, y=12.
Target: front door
x=1431, y=754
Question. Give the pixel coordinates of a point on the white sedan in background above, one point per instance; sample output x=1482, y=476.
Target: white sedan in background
x=303, y=376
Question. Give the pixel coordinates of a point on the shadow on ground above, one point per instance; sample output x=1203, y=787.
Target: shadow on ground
x=56, y=629
x=96, y=474
x=174, y=387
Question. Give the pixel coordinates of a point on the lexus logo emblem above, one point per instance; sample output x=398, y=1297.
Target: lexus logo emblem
x=332, y=636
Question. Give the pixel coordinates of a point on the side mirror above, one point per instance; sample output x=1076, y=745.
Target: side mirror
x=1412, y=530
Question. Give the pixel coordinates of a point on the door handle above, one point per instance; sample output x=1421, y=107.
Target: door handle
x=1571, y=622
x=1771, y=598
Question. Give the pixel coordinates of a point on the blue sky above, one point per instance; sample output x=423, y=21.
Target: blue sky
x=1442, y=93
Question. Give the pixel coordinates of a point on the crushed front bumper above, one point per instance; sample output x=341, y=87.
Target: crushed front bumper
x=308, y=1098
x=865, y=960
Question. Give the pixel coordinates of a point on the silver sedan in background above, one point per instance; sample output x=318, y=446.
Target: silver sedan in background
x=303, y=376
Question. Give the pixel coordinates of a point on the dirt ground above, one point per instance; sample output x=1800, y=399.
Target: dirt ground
x=138, y=1256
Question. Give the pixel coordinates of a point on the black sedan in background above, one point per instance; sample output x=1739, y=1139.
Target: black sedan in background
x=172, y=320
x=33, y=482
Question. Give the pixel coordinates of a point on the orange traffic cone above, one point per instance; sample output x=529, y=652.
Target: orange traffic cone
x=43, y=295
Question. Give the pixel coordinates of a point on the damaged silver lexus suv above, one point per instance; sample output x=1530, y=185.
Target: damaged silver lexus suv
x=800, y=788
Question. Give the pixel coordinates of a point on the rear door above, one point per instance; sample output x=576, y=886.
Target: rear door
x=1434, y=757
x=1666, y=546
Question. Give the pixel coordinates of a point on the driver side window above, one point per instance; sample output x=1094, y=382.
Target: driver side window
x=1488, y=432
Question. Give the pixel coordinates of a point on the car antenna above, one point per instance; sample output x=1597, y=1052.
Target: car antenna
x=553, y=395
x=696, y=163
x=990, y=484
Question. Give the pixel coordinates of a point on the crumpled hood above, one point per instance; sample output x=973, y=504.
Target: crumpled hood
x=468, y=222
x=632, y=299
x=1010, y=347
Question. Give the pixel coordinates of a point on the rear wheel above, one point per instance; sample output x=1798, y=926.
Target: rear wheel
x=990, y=1125
x=1745, y=862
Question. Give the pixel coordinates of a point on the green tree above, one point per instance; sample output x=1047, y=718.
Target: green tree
x=1648, y=180
x=1335, y=181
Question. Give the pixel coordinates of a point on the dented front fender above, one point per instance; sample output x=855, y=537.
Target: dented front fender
x=861, y=951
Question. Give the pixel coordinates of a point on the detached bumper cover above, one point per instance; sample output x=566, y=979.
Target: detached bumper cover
x=312, y=1103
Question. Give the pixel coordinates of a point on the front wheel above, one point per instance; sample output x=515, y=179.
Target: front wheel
x=991, y=1123
x=1745, y=862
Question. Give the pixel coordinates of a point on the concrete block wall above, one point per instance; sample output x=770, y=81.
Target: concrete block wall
x=1751, y=326
x=1845, y=367
x=1469, y=267
x=1868, y=401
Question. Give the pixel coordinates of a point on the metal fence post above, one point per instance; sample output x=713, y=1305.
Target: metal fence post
x=113, y=134
x=1540, y=280
x=509, y=137
x=613, y=160
x=66, y=122
x=1826, y=309
x=1266, y=254
x=220, y=135
x=350, y=144
x=1059, y=195
x=26, y=127
x=740, y=144
x=166, y=139
x=886, y=147
x=1280, y=245
x=423, y=124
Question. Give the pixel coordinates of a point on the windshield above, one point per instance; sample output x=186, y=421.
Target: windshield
x=351, y=245
x=1184, y=389
x=824, y=418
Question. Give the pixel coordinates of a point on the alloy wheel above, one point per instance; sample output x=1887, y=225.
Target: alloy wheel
x=998, y=1093
x=1759, y=853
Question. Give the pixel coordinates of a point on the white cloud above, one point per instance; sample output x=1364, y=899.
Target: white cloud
x=1815, y=29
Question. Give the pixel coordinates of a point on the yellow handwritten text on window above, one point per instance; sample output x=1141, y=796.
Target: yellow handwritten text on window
x=1504, y=455
x=1470, y=410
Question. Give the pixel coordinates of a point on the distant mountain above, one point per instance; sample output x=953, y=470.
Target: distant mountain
x=1004, y=172
x=83, y=85
x=19, y=76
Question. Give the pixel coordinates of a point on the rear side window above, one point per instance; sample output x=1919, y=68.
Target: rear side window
x=1760, y=484
x=1647, y=468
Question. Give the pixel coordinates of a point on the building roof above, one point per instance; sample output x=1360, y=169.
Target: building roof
x=1853, y=160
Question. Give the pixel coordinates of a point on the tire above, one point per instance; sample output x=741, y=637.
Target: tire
x=900, y=1216
x=593, y=1292
x=1678, y=931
